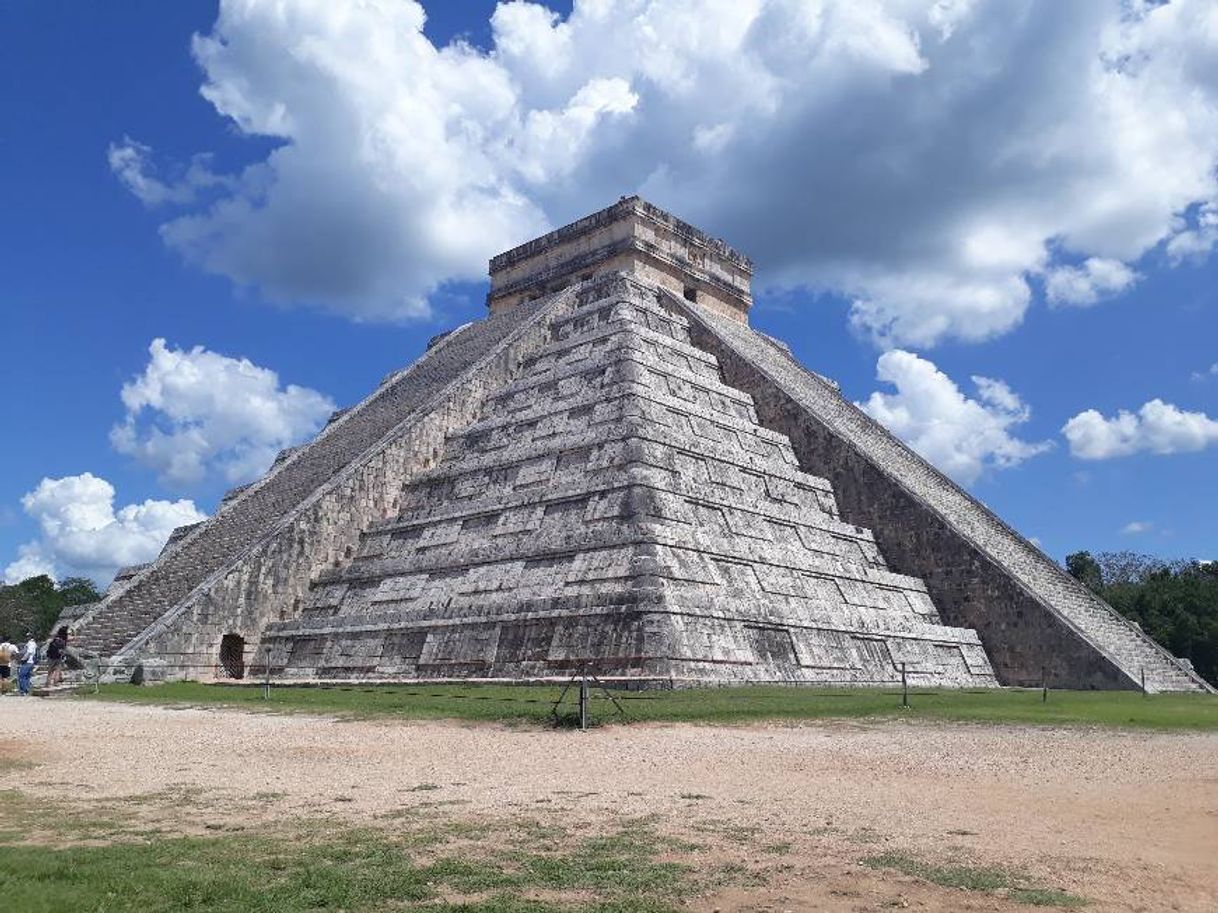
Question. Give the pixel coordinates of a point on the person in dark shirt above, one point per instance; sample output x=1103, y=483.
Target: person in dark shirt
x=57, y=656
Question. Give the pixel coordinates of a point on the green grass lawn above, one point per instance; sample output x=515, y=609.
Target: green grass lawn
x=359, y=870
x=534, y=704
x=86, y=862
x=56, y=857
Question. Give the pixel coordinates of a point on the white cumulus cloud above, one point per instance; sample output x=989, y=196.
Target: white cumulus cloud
x=1194, y=240
x=31, y=561
x=1137, y=527
x=1096, y=279
x=82, y=533
x=926, y=159
x=962, y=436
x=1157, y=427
x=194, y=412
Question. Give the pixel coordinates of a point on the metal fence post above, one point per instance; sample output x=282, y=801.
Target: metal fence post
x=904, y=687
x=1143, y=671
x=266, y=668
x=583, y=702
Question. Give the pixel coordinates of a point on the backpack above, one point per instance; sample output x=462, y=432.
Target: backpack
x=55, y=648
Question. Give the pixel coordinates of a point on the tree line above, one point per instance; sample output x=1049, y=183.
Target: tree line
x=36, y=602
x=1175, y=602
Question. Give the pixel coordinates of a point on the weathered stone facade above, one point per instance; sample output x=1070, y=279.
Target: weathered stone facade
x=613, y=472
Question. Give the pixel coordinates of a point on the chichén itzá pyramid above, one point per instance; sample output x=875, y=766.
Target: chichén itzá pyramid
x=613, y=472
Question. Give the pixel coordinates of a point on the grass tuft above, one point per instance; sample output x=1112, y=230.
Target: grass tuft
x=1047, y=897
x=1014, y=885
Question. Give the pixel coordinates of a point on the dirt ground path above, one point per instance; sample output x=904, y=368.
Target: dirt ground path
x=1127, y=819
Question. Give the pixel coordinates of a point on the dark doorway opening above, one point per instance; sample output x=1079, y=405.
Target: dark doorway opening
x=232, y=655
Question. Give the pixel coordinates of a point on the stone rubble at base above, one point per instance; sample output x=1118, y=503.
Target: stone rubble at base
x=613, y=472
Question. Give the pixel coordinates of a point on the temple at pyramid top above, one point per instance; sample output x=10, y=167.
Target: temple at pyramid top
x=633, y=237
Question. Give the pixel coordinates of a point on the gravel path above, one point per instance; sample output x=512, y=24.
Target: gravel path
x=1128, y=818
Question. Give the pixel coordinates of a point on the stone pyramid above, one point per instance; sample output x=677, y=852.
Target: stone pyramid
x=616, y=507
x=612, y=471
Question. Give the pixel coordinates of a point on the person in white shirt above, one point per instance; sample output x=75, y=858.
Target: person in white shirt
x=29, y=653
x=8, y=653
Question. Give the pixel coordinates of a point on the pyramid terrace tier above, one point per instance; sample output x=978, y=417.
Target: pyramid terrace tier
x=625, y=353
x=567, y=502
x=487, y=608
x=619, y=413
x=621, y=327
x=608, y=301
x=617, y=392
x=578, y=335
x=704, y=555
x=693, y=463
x=570, y=558
x=565, y=472
x=633, y=641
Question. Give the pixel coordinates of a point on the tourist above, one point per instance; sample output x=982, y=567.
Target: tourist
x=29, y=657
x=7, y=653
x=57, y=656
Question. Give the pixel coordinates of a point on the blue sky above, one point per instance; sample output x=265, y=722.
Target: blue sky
x=961, y=261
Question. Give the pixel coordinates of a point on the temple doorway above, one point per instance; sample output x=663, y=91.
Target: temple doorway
x=232, y=655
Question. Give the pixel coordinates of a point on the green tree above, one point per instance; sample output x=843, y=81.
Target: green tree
x=35, y=603
x=77, y=591
x=1175, y=602
x=1085, y=569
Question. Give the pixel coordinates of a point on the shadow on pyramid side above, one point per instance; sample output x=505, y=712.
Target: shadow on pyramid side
x=617, y=508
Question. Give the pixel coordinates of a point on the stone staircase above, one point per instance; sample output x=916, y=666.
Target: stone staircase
x=1120, y=641
x=245, y=519
x=1118, y=638
x=1114, y=635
